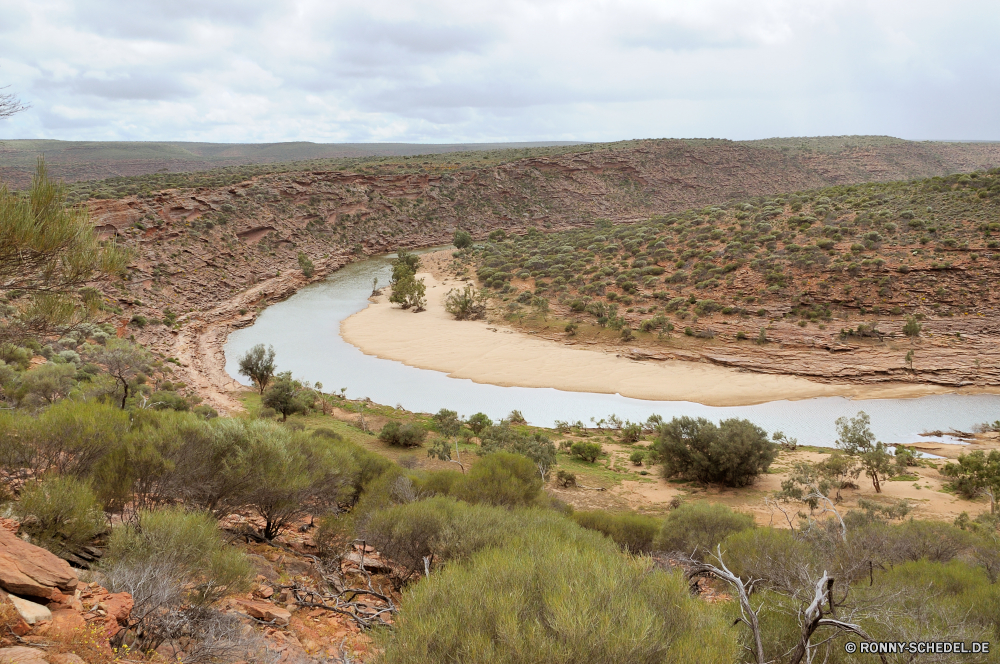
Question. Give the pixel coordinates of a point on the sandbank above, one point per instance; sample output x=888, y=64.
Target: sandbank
x=488, y=353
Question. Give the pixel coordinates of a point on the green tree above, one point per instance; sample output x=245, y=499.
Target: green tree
x=287, y=396
x=48, y=252
x=462, y=239
x=447, y=422
x=478, y=422
x=977, y=473
x=257, y=364
x=408, y=291
x=912, y=327
x=534, y=446
x=587, y=451
x=855, y=437
x=733, y=453
x=404, y=263
x=124, y=361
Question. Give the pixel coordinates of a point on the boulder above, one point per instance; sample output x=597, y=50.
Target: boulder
x=65, y=622
x=22, y=655
x=31, y=612
x=26, y=569
x=265, y=611
x=118, y=605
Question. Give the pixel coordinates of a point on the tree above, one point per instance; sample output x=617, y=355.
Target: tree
x=408, y=291
x=402, y=435
x=124, y=361
x=855, y=437
x=48, y=253
x=447, y=422
x=977, y=473
x=912, y=327
x=404, y=263
x=462, y=239
x=534, y=446
x=465, y=304
x=10, y=104
x=287, y=396
x=257, y=364
x=733, y=453
x=306, y=265
x=589, y=452
x=478, y=422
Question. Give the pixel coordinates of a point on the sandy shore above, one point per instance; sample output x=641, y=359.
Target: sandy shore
x=487, y=353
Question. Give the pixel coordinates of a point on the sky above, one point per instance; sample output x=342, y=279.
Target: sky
x=445, y=71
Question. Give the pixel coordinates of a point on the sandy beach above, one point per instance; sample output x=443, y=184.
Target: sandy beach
x=489, y=353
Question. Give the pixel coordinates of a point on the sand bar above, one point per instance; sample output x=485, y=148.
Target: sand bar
x=492, y=354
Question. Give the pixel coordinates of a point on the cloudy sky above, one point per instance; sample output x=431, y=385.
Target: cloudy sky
x=475, y=70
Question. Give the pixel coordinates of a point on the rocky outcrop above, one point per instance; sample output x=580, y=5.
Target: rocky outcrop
x=31, y=571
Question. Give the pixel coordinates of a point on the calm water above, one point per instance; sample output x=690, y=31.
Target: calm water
x=305, y=333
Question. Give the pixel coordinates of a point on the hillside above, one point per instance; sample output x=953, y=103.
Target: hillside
x=871, y=283
x=202, y=248
x=75, y=161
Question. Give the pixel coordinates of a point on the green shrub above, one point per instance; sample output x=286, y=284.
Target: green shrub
x=522, y=604
x=402, y=435
x=306, y=265
x=633, y=532
x=462, y=239
x=696, y=528
x=589, y=452
x=502, y=479
x=733, y=453
x=60, y=513
x=168, y=400
x=478, y=422
x=565, y=479
x=637, y=457
x=184, y=548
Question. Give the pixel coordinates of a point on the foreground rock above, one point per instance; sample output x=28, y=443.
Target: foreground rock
x=28, y=570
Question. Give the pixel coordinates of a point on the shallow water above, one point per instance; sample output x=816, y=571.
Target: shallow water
x=305, y=333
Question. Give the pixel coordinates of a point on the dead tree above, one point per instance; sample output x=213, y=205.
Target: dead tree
x=811, y=619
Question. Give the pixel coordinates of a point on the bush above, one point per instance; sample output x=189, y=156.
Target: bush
x=478, y=422
x=521, y=603
x=402, y=435
x=60, y=514
x=306, y=265
x=565, y=479
x=696, y=528
x=287, y=396
x=502, y=479
x=462, y=239
x=465, y=304
x=633, y=532
x=637, y=457
x=733, y=453
x=184, y=547
x=589, y=452
x=912, y=327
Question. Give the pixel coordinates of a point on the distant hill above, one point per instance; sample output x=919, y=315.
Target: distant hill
x=74, y=161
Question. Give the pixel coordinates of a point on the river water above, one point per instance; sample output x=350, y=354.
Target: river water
x=305, y=333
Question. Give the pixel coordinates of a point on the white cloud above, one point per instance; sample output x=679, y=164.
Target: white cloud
x=451, y=71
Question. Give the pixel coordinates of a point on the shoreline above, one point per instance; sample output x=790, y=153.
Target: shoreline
x=492, y=354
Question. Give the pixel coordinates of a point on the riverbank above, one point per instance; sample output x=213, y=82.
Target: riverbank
x=489, y=353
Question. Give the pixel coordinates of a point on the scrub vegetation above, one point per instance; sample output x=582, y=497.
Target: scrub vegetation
x=907, y=250
x=483, y=563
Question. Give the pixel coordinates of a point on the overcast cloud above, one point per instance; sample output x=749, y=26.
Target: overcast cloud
x=471, y=70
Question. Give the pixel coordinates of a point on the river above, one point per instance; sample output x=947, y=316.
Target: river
x=305, y=333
